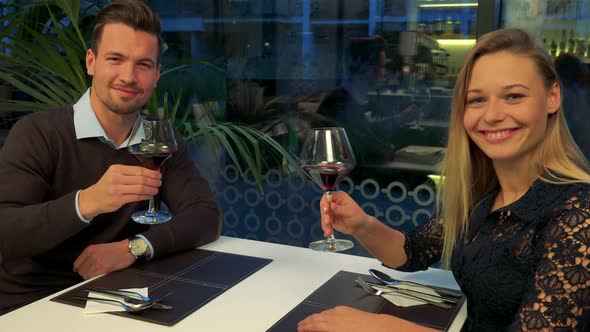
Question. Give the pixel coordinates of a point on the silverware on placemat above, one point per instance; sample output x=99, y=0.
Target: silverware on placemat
x=130, y=301
x=386, y=279
x=401, y=292
x=448, y=299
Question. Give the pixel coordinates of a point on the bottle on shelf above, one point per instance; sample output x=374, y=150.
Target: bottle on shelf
x=545, y=43
x=457, y=26
x=581, y=50
x=439, y=25
x=572, y=42
x=449, y=26
x=563, y=42
x=553, y=49
x=472, y=26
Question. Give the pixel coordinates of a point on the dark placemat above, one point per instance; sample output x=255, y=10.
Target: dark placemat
x=194, y=277
x=341, y=289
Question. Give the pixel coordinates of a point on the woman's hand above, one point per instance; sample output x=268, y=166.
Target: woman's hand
x=343, y=319
x=342, y=213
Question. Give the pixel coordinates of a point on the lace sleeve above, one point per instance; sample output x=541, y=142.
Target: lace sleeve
x=558, y=298
x=424, y=246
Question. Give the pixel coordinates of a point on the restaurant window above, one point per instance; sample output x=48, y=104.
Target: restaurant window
x=564, y=28
x=384, y=70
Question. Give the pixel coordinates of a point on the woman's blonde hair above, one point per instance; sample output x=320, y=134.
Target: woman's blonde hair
x=468, y=173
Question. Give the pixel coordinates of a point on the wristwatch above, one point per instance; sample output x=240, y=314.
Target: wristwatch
x=138, y=247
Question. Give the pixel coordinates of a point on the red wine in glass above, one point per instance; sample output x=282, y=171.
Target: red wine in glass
x=158, y=145
x=151, y=158
x=327, y=157
x=327, y=176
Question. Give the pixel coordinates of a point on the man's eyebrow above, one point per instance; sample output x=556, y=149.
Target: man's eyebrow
x=113, y=53
x=150, y=60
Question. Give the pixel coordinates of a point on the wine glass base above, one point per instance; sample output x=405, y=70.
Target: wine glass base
x=151, y=218
x=337, y=245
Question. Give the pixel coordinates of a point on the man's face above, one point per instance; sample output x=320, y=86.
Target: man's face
x=125, y=69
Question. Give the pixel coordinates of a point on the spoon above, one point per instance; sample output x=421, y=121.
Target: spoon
x=386, y=279
x=130, y=304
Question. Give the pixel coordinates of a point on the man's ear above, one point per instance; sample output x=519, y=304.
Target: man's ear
x=554, y=98
x=90, y=59
x=158, y=74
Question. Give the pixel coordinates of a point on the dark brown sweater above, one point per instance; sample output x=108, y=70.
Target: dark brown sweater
x=42, y=166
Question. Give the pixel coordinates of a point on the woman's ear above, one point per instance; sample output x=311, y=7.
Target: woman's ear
x=554, y=98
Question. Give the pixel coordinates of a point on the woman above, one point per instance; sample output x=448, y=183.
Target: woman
x=515, y=203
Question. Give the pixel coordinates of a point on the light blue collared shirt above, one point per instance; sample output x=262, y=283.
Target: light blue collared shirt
x=87, y=125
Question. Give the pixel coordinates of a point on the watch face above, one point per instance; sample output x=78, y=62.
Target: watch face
x=137, y=247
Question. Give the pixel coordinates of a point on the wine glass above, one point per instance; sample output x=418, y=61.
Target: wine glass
x=158, y=145
x=327, y=157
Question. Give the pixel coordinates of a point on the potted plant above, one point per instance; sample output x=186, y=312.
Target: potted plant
x=45, y=46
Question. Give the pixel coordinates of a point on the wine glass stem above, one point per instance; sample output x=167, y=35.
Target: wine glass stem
x=330, y=240
x=152, y=207
x=152, y=203
x=329, y=199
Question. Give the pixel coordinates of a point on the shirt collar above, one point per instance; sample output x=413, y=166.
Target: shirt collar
x=87, y=125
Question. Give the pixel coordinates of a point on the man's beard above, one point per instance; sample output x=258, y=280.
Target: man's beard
x=122, y=108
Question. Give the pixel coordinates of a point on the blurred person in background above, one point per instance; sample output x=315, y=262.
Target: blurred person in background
x=573, y=74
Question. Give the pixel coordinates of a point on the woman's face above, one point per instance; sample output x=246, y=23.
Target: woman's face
x=507, y=106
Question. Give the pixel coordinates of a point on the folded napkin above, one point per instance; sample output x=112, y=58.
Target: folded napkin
x=401, y=300
x=94, y=307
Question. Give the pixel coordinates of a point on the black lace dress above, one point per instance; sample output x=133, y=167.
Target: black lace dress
x=524, y=267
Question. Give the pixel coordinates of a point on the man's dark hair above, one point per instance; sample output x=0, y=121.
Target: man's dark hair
x=570, y=68
x=364, y=51
x=133, y=13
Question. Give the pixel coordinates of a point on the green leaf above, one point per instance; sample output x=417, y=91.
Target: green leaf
x=22, y=105
x=167, y=69
x=73, y=56
x=175, y=106
x=25, y=88
x=219, y=134
x=243, y=150
x=71, y=8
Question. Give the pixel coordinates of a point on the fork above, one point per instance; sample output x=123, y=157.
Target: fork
x=374, y=291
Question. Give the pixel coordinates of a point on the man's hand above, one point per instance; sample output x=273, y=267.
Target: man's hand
x=102, y=258
x=118, y=186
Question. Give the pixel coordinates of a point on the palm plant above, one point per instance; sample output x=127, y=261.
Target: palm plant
x=248, y=148
x=45, y=45
x=44, y=52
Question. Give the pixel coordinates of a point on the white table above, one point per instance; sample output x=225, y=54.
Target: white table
x=254, y=304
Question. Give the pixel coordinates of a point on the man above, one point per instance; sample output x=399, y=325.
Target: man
x=69, y=186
